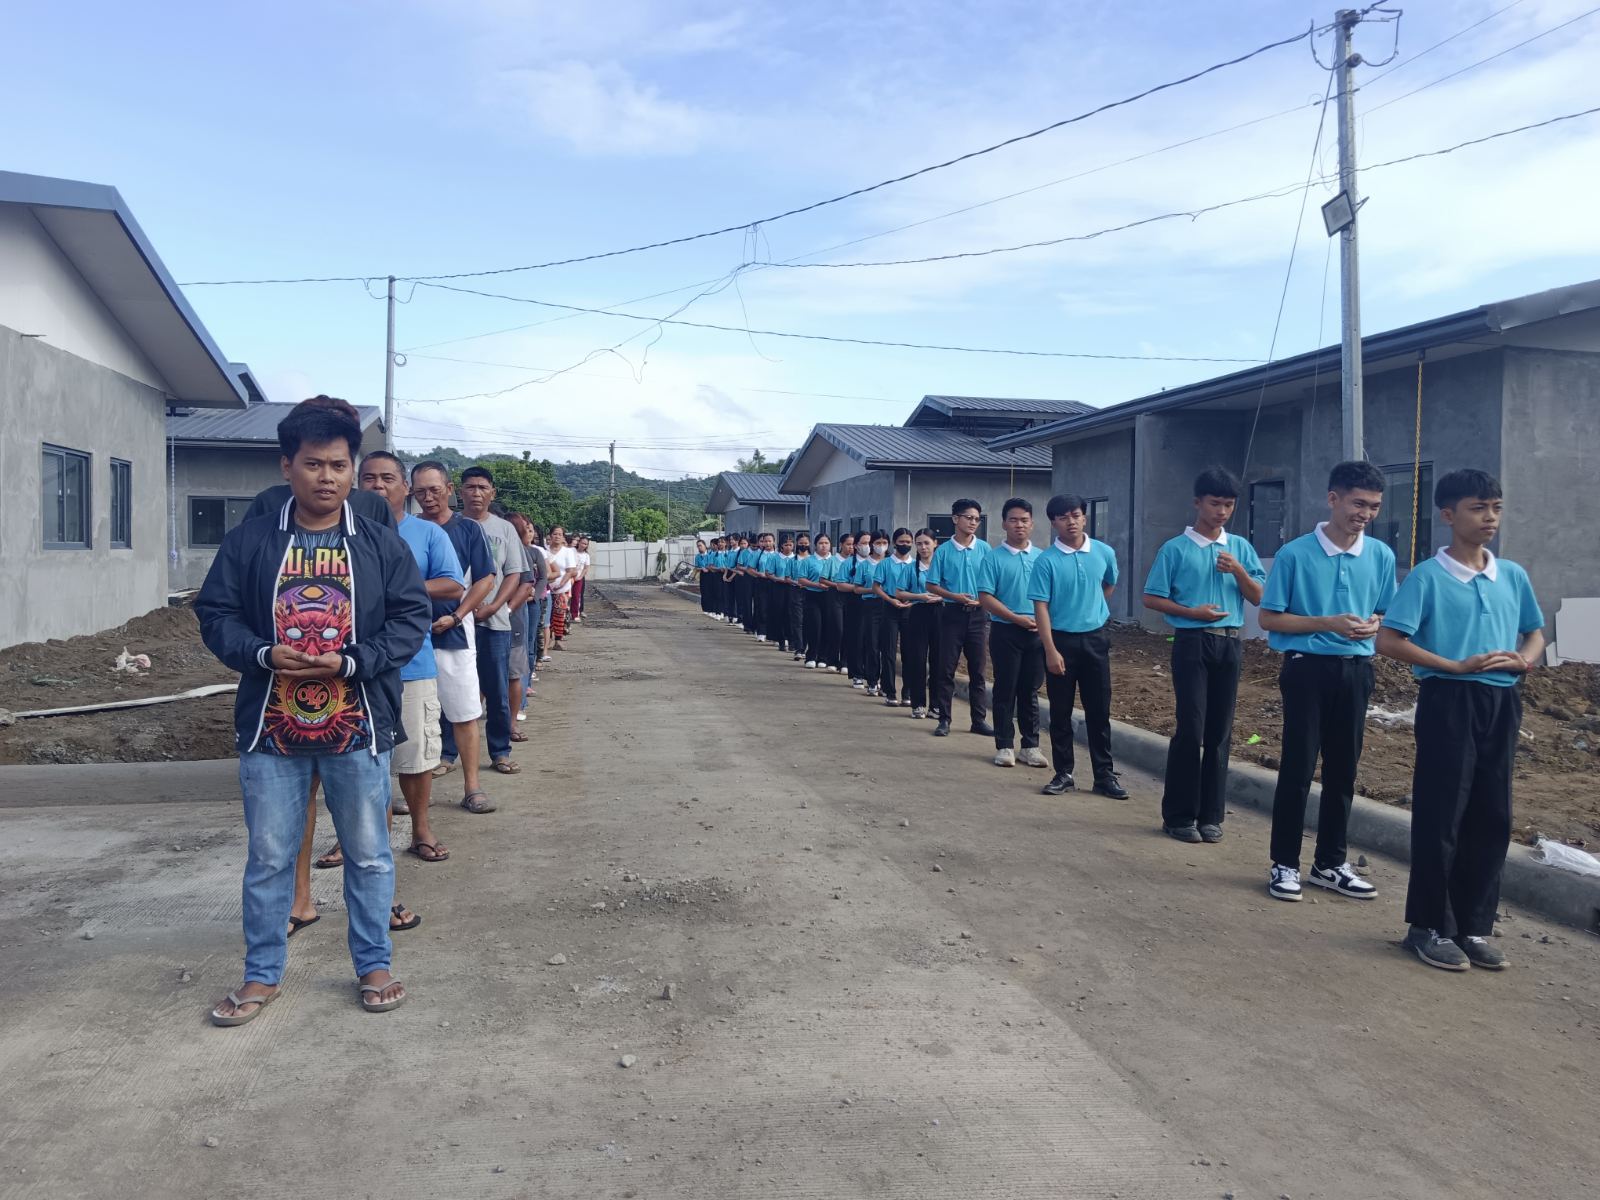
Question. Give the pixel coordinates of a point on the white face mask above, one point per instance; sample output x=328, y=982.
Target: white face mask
x=863, y=551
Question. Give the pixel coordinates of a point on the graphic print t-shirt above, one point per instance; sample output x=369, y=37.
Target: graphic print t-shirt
x=313, y=613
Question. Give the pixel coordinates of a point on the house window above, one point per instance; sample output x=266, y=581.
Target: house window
x=1098, y=511
x=1406, y=492
x=212, y=516
x=855, y=525
x=121, y=503
x=874, y=526
x=835, y=528
x=64, y=498
x=1267, y=517
x=944, y=527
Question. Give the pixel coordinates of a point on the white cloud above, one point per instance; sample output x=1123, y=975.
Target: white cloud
x=602, y=109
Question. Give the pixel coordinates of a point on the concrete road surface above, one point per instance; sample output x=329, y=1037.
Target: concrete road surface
x=894, y=971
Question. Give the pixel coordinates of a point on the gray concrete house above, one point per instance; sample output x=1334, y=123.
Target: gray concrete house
x=870, y=477
x=96, y=341
x=748, y=502
x=1512, y=388
x=220, y=460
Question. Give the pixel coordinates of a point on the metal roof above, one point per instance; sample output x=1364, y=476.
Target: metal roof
x=995, y=407
x=1459, y=333
x=256, y=425
x=92, y=227
x=747, y=487
x=892, y=446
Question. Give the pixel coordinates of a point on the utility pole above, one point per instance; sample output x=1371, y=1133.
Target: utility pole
x=388, y=378
x=611, y=499
x=1349, y=258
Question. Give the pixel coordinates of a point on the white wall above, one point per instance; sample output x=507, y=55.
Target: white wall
x=41, y=292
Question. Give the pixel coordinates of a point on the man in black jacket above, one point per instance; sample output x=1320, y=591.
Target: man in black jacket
x=317, y=609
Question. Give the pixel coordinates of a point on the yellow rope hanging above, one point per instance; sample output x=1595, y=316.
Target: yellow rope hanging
x=1416, y=466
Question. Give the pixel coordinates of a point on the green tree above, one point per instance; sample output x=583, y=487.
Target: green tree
x=647, y=524
x=757, y=464
x=530, y=488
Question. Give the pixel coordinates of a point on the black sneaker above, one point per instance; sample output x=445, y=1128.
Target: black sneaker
x=1211, y=833
x=1109, y=785
x=1434, y=950
x=982, y=727
x=1180, y=833
x=942, y=729
x=1059, y=783
x=1481, y=954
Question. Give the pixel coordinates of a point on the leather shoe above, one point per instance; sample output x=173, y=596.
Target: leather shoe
x=1058, y=784
x=983, y=727
x=1109, y=785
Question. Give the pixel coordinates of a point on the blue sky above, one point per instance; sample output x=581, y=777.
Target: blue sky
x=433, y=136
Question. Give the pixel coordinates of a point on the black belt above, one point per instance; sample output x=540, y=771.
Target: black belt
x=1227, y=631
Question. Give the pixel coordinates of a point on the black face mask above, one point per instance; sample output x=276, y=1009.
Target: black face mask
x=902, y=548
x=805, y=548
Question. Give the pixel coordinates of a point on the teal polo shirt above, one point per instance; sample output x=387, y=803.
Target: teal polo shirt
x=866, y=575
x=808, y=569
x=1455, y=612
x=1072, y=583
x=1311, y=577
x=955, y=569
x=1185, y=572
x=1006, y=574
x=785, y=566
x=897, y=576
x=826, y=566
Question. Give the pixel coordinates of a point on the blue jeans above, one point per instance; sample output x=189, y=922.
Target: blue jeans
x=494, y=681
x=277, y=788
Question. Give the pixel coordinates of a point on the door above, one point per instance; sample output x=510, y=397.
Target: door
x=1267, y=517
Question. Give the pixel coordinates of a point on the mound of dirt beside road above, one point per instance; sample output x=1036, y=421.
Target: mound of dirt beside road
x=75, y=671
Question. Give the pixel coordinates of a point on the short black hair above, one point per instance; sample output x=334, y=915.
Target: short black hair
x=1015, y=502
x=1355, y=475
x=1216, y=481
x=1064, y=503
x=961, y=506
x=431, y=464
x=1466, y=484
x=319, y=423
x=372, y=454
x=477, y=472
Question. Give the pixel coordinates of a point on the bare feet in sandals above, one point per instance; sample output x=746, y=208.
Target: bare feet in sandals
x=381, y=991
x=243, y=1004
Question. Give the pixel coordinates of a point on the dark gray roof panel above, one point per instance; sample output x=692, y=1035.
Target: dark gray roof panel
x=755, y=487
x=991, y=404
x=896, y=446
x=258, y=423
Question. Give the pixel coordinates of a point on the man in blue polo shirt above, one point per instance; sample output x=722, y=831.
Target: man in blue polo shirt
x=1320, y=609
x=963, y=628
x=1470, y=628
x=1071, y=583
x=1003, y=580
x=1200, y=582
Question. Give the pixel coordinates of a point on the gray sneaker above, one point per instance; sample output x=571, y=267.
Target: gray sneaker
x=1434, y=950
x=1211, y=833
x=1183, y=833
x=1032, y=756
x=1481, y=953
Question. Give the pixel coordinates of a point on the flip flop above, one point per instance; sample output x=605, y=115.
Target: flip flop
x=399, y=809
x=478, y=802
x=518, y=736
x=404, y=925
x=506, y=767
x=333, y=858
x=439, y=852
x=379, y=1005
x=443, y=769
x=238, y=1018
x=296, y=924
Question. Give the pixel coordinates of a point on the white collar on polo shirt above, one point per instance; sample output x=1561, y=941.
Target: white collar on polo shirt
x=1465, y=573
x=1014, y=550
x=955, y=545
x=1333, y=551
x=1066, y=549
x=1200, y=539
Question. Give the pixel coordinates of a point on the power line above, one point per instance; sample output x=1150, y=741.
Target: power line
x=1572, y=116
x=1406, y=62
x=817, y=204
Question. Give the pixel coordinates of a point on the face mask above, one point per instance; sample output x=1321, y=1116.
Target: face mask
x=863, y=551
x=803, y=549
x=903, y=549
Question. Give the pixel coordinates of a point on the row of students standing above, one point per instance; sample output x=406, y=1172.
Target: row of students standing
x=1467, y=623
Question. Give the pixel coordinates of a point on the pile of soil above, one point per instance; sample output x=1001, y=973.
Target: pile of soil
x=1557, y=790
x=66, y=673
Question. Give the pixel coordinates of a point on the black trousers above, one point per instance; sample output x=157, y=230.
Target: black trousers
x=1324, y=710
x=919, y=651
x=796, y=635
x=831, y=612
x=742, y=585
x=1088, y=675
x=1205, y=684
x=891, y=628
x=869, y=632
x=1018, y=671
x=811, y=614
x=962, y=631
x=850, y=639
x=705, y=593
x=1461, y=803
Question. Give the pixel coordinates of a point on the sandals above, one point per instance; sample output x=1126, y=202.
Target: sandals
x=506, y=767
x=443, y=769
x=404, y=924
x=238, y=1018
x=296, y=924
x=435, y=852
x=517, y=735
x=478, y=802
x=376, y=1005
x=333, y=858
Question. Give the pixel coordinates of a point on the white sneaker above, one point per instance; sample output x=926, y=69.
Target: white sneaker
x=1284, y=884
x=811, y=666
x=858, y=683
x=545, y=658
x=918, y=713
x=521, y=716
x=761, y=637
x=1005, y=758
x=1032, y=756
x=1344, y=880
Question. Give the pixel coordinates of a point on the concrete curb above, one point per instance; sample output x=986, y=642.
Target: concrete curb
x=1382, y=828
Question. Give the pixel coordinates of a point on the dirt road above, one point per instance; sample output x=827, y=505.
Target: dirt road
x=894, y=971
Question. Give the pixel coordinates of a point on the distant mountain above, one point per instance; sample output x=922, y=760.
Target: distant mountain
x=593, y=478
